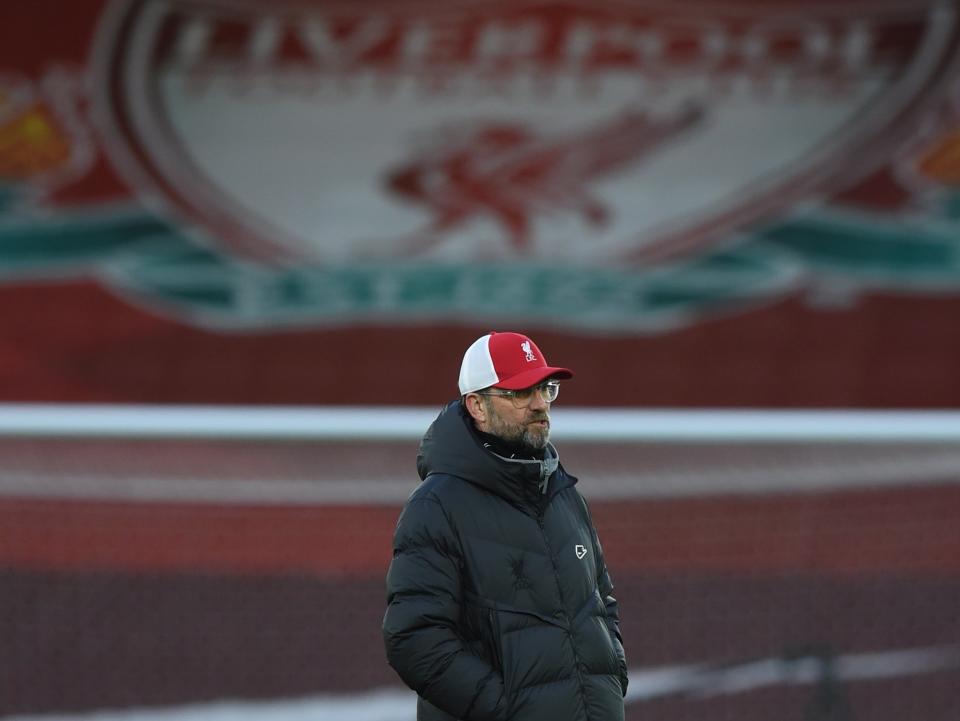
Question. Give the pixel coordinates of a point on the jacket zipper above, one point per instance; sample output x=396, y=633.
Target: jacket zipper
x=497, y=651
x=566, y=619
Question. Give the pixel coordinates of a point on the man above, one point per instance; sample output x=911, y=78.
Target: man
x=499, y=604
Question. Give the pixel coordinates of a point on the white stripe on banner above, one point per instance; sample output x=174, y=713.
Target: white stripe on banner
x=698, y=680
x=26, y=420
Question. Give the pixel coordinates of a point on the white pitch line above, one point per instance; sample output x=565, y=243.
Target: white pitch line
x=698, y=680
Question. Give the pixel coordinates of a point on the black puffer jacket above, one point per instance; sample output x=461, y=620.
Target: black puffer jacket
x=499, y=604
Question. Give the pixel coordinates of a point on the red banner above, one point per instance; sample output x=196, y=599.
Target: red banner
x=211, y=201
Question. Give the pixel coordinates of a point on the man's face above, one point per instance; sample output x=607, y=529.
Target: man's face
x=529, y=425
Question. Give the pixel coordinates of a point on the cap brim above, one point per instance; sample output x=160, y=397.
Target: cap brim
x=534, y=376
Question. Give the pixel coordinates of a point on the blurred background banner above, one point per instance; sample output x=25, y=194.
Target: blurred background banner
x=212, y=211
x=694, y=204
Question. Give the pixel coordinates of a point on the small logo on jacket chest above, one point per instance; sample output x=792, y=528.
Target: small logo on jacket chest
x=581, y=550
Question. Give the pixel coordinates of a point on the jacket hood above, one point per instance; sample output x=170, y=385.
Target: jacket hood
x=451, y=447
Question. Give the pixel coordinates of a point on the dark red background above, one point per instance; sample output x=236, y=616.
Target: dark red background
x=75, y=342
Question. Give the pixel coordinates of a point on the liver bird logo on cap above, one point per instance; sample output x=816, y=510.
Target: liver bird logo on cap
x=525, y=347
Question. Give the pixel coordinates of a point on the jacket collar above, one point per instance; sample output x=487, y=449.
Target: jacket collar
x=452, y=446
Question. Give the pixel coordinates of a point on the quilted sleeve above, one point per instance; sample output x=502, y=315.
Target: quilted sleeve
x=423, y=613
x=605, y=587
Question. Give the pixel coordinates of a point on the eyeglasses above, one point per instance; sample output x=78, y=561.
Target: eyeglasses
x=548, y=390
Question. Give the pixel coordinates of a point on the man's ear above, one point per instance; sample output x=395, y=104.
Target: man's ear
x=474, y=404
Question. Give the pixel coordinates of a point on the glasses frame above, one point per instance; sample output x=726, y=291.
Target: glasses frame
x=524, y=397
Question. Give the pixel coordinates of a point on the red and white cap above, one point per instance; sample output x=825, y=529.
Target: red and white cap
x=505, y=360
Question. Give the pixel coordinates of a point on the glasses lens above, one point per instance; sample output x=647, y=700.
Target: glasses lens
x=521, y=397
x=549, y=391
